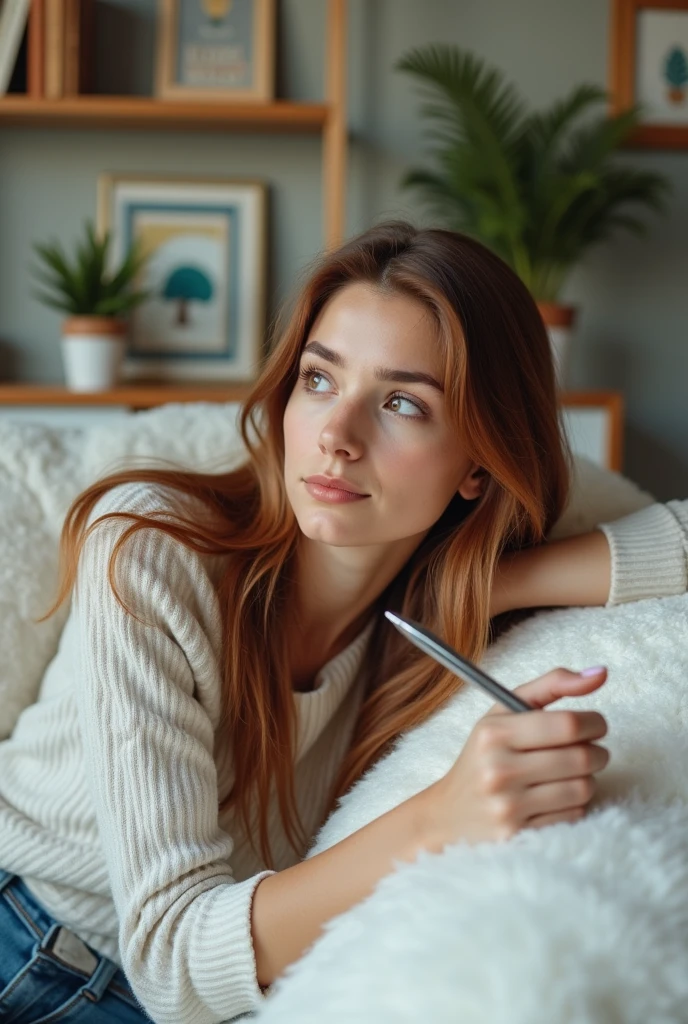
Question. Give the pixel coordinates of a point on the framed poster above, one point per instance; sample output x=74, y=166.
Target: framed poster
x=216, y=50
x=649, y=66
x=205, y=241
x=594, y=423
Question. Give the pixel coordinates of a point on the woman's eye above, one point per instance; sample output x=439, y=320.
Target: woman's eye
x=314, y=381
x=398, y=402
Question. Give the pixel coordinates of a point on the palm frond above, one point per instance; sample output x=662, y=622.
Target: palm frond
x=537, y=188
x=549, y=127
x=473, y=111
x=591, y=145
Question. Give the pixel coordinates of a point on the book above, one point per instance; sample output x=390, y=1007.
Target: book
x=19, y=77
x=78, y=47
x=36, y=57
x=54, y=48
x=14, y=15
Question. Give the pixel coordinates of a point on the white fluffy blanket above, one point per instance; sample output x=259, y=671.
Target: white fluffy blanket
x=571, y=924
x=575, y=923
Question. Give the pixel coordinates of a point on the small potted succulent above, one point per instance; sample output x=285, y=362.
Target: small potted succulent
x=539, y=188
x=94, y=334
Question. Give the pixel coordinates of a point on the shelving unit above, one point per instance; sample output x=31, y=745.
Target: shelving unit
x=145, y=112
x=280, y=117
x=137, y=396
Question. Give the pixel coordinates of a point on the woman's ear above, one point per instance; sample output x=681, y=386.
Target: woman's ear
x=473, y=484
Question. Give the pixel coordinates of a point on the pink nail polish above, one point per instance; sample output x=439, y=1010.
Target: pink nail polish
x=593, y=671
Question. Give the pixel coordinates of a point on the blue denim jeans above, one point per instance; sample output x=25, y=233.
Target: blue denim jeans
x=48, y=974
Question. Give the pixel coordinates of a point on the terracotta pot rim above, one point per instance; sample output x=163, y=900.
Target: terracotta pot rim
x=104, y=325
x=556, y=314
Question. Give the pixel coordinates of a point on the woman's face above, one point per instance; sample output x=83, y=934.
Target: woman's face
x=369, y=410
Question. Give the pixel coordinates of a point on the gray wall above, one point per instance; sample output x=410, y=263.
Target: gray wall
x=634, y=314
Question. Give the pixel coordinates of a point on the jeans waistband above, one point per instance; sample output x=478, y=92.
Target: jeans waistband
x=106, y=973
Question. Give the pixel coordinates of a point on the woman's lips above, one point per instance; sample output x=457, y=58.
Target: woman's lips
x=333, y=495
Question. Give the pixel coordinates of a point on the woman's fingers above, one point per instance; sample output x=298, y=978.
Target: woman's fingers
x=542, y=820
x=537, y=730
x=560, y=682
x=536, y=766
x=556, y=797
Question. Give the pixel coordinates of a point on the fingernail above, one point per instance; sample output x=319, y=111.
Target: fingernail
x=594, y=671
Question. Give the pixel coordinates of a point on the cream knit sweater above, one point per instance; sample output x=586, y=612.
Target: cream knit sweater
x=109, y=783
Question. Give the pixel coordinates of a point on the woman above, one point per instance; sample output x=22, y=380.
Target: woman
x=226, y=673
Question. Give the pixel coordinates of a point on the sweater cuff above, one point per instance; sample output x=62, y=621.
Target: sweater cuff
x=223, y=971
x=647, y=555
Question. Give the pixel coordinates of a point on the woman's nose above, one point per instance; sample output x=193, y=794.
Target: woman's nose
x=341, y=434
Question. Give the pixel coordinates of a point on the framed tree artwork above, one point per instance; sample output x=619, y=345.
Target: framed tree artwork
x=204, y=318
x=649, y=67
x=216, y=50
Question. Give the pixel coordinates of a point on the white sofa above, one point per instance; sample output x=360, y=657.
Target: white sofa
x=571, y=924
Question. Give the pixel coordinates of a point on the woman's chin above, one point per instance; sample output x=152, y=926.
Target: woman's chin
x=323, y=527
x=325, y=534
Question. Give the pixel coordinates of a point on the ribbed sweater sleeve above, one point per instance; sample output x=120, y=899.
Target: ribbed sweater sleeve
x=649, y=552
x=149, y=707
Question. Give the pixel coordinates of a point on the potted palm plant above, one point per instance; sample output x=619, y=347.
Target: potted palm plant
x=538, y=188
x=97, y=303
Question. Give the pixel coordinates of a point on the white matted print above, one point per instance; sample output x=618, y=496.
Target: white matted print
x=661, y=70
x=205, y=242
x=216, y=50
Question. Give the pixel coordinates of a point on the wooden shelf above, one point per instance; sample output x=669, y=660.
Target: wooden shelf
x=135, y=396
x=145, y=112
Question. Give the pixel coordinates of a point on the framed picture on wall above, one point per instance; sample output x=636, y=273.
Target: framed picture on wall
x=649, y=66
x=216, y=50
x=205, y=241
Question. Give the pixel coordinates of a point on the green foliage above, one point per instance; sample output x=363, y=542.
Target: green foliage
x=83, y=287
x=537, y=188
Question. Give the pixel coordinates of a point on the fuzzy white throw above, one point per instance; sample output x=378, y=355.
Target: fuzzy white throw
x=572, y=924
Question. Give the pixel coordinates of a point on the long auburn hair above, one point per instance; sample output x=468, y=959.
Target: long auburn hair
x=501, y=394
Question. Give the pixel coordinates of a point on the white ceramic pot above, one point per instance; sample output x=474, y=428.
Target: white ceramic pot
x=93, y=348
x=560, y=322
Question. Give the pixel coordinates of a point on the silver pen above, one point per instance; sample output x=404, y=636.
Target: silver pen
x=455, y=662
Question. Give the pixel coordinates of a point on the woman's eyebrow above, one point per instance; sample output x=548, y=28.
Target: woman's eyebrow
x=381, y=372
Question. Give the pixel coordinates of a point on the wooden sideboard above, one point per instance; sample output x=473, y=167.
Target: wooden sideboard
x=593, y=419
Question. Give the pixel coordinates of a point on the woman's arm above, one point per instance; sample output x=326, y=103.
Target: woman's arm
x=644, y=554
x=574, y=571
x=148, y=716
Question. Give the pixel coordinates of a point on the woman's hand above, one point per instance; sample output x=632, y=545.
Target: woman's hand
x=574, y=571
x=521, y=769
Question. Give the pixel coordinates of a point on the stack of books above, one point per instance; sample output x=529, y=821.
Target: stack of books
x=44, y=47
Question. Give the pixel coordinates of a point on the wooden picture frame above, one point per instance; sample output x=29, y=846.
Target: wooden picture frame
x=649, y=65
x=221, y=50
x=206, y=274
x=593, y=422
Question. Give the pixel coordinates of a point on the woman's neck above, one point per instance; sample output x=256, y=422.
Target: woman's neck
x=334, y=591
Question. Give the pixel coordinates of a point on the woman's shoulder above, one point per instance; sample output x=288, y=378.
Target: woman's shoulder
x=159, y=502
x=144, y=498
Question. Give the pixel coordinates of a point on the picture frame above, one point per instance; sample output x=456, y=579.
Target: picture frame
x=206, y=241
x=594, y=423
x=216, y=50
x=649, y=66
